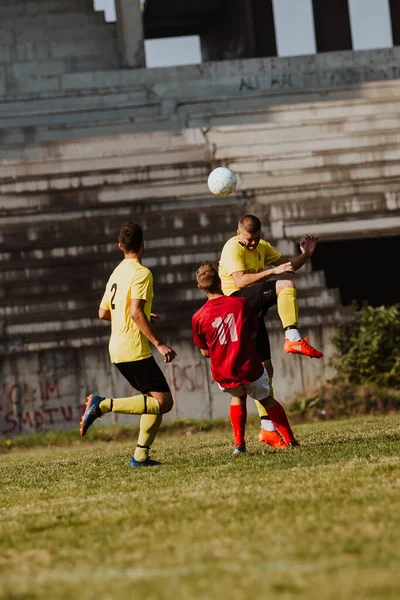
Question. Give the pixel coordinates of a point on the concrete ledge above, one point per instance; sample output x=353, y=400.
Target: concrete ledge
x=37, y=7
x=68, y=32
x=51, y=21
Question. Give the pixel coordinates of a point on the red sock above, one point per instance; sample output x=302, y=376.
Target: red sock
x=238, y=416
x=279, y=419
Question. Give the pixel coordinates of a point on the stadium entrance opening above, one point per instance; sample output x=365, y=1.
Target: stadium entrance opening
x=364, y=270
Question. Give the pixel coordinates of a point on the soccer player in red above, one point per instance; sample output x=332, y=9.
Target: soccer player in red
x=245, y=270
x=224, y=330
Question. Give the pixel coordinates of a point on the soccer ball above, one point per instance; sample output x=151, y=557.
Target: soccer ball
x=222, y=181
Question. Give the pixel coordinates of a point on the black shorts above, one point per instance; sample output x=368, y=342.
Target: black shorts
x=261, y=297
x=144, y=375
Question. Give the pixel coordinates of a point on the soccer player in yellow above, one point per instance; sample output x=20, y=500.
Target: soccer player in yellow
x=243, y=272
x=127, y=304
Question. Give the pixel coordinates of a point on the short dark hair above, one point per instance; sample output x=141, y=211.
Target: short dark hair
x=250, y=223
x=131, y=237
x=207, y=278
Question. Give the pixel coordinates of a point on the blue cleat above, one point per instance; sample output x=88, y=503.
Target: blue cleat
x=92, y=412
x=143, y=463
x=239, y=450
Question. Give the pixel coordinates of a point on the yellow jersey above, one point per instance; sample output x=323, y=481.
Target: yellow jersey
x=236, y=257
x=129, y=280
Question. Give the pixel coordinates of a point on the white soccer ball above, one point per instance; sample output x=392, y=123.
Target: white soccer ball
x=222, y=181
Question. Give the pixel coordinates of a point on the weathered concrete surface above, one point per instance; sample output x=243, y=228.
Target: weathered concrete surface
x=45, y=390
x=45, y=38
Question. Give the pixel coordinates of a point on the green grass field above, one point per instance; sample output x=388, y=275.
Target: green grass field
x=322, y=521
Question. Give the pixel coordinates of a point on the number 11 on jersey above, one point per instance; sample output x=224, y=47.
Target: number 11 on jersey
x=226, y=327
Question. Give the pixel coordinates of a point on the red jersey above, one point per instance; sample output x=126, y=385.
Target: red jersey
x=225, y=326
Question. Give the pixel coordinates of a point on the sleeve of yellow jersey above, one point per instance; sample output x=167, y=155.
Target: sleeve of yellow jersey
x=141, y=285
x=270, y=254
x=232, y=257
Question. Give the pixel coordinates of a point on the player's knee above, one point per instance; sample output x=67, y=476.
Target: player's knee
x=283, y=284
x=166, y=403
x=239, y=400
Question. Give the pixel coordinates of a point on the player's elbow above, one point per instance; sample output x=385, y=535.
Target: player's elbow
x=104, y=314
x=136, y=313
x=241, y=283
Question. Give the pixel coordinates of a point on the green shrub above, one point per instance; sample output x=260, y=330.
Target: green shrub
x=368, y=347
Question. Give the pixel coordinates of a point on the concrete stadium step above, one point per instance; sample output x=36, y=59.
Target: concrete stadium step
x=55, y=257
x=137, y=95
x=147, y=121
x=23, y=8
x=344, y=126
x=45, y=22
x=20, y=318
x=70, y=34
x=88, y=116
x=369, y=155
x=54, y=321
x=324, y=146
x=67, y=64
x=96, y=227
x=322, y=177
x=85, y=329
x=74, y=292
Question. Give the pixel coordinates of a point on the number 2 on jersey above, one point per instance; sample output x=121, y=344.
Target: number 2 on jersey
x=114, y=291
x=224, y=327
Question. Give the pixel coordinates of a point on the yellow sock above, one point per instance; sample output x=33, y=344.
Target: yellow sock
x=261, y=410
x=288, y=308
x=134, y=405
x=149, y=425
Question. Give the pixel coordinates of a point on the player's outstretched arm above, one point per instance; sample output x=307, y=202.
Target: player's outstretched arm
x=307, y=248
x=139, y=316
x=243, y=279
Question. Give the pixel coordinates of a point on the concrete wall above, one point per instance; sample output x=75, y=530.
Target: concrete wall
x=41, y=391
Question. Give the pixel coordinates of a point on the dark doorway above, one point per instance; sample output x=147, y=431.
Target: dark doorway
x=364, y=270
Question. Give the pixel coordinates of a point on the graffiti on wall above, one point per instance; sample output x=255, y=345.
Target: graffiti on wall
x=28, y=407
x=41, y=404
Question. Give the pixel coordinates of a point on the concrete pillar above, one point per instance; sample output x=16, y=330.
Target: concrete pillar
x=130, y=33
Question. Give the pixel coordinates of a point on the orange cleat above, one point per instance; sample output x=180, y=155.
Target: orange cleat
x=272, y=438
x=301, y=347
